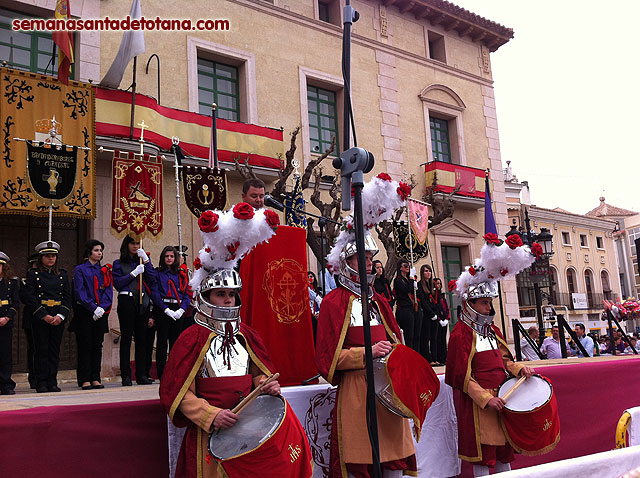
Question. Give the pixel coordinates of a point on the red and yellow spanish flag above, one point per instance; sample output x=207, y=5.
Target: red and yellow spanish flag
x=64, y=40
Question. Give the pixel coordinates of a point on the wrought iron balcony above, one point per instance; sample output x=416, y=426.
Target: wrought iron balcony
x=448, y=177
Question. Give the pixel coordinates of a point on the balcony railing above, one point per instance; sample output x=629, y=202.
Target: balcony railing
x=450, y=176
x=594, y=300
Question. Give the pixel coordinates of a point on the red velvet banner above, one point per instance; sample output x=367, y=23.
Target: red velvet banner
x=275, y=302
x=80, y=441
x=136, y=201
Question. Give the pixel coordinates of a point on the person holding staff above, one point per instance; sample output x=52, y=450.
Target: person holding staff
x=133, y=312
x=48, y=294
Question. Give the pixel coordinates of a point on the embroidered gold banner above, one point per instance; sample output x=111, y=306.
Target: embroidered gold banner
x=28, y=104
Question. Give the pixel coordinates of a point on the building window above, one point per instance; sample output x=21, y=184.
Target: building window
x=440, y=144
x=606, y=287
x=571, y=281
x=588, y=282
x=30, y=51
x=323, y=118
x=583, y=240
x=566, y=239
x=437, y=51
x=330, y=11
x=599, y=242
x=452, y=268
x=218, y=83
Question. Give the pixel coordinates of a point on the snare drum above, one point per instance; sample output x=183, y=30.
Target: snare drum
x=405, y=384
x=530, y=416
x=266, y=440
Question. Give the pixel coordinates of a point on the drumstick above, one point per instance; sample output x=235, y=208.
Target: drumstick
x=506, y=396
x=252, y=396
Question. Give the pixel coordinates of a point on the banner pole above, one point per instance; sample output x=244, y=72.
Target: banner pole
x=177, y=166
x=140, y=276
x=415, y=283
x=50, y=231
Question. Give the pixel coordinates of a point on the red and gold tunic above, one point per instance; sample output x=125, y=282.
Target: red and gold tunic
x=475, y=372
x=340, y=360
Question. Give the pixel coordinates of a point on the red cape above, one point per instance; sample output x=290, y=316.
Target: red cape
x=186, y=358
x=335, y=315
x=461, y=349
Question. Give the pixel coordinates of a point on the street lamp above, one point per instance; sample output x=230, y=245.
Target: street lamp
x=540, y=268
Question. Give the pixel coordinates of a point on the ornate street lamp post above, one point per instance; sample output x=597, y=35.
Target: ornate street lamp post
x=540, y=268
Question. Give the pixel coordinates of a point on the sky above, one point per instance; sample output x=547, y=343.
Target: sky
x=568, y=98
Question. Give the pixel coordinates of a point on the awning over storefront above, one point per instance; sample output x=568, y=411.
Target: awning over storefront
x=263, y=146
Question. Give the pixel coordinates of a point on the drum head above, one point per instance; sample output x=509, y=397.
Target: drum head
x=531, y=394
x=256, y=423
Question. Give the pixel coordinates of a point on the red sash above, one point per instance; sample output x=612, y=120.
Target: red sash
x=355, y=336
x=224, y=392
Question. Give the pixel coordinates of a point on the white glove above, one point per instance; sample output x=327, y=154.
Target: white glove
x=138, y=270
x=435, y=317
x=444, y=323
x=99, y=312
x=143, y=255
x=178, y=313
x=170, y=313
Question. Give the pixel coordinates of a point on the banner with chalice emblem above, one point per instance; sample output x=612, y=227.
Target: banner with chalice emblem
x=52, y=170
x=136, y=202
x=204, y=188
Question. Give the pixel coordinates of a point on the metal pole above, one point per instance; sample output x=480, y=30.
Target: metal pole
x=563, y=342
x=133, y=99
x=346, y=73
x=50, y=231
x=536, y=288
x=358, y=183
x=147, y=71
x=177, y=166
x=214, y=134
x=140, y=283
x=321, y=224
x=504, y=331
x=415, y=283
x=516, y=338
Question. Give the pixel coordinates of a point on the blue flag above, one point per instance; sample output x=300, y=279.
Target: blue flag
x=489, y=220
x=295, y=200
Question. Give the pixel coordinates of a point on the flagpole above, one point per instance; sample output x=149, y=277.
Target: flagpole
x=214, y=135
x=486, y=187
x=176, y=141
x=133, y=97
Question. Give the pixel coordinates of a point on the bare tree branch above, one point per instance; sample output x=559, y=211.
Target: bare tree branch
x=279, y=190
x=245, y=170
x=308, y=170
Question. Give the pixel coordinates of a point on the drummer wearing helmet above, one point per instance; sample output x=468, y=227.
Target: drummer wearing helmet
x=219, y=360
x=340, y=356
x=479, y=359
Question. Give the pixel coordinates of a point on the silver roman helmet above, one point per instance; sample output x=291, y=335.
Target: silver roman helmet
x=216, y=317
x=349, y=250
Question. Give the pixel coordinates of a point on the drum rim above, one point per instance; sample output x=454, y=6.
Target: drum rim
x=286, y=406
x=533, y=409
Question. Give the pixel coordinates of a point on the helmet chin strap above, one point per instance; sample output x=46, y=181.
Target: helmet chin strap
x=479, y=322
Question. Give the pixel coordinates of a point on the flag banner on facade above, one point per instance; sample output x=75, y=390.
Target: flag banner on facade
x=52, y=170
x=450, y=176
x=262, y=146
x=204, y=188
x=295, y=200
x=64, y=41
x=489, y=220
x=132, y=45
x=136, y=201
x=419, y=219
x=401, y=240
x=28, y=105
x=275, y=302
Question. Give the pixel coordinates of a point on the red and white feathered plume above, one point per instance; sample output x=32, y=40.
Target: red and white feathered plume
x=498, y=259
x=227, y=236
x=380, y=198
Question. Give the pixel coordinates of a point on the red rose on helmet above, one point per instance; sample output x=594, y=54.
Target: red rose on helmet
x=208, y=221
x=491, y=238
x=233, y=248
x=384, y=177
x=404, y=191
x=272, y=219
x=472, y=270
x=452, y=285
x=504, y=272
x=243, y=211
x=536, y=250
x=197, y=263
x=514, y=241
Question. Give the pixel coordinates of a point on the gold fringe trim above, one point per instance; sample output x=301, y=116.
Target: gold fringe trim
x=343, y=333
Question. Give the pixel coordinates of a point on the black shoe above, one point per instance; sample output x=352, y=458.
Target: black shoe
x=33, y=385
x=143, y=381
x=126, y=382
x=8, y=392
x=149, y=378
x=98, y=386
x=87, y=387
x=42, y=389
x=54, y=389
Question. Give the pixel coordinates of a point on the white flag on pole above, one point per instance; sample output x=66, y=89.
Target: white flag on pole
x=132, y=45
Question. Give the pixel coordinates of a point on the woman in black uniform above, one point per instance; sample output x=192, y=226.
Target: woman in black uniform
x=48, y=294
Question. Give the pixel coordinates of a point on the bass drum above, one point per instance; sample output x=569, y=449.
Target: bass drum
x=257, y=422
x=530, y=416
